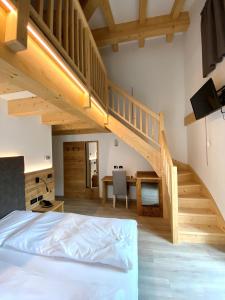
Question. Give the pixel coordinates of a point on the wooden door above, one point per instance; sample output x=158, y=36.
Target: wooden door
x=74, y=169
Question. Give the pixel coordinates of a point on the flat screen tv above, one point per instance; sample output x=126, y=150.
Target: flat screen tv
x=205, y=101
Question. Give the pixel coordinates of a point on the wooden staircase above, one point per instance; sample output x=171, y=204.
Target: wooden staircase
x=136, y=125
x=193, y=214
x=198, y=218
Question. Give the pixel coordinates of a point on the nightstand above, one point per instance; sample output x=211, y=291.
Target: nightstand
x=57, y=206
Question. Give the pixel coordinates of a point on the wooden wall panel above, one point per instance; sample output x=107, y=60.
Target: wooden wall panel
x=34, y=190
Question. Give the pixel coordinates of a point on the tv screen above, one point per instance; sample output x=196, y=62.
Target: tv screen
x=205, y=101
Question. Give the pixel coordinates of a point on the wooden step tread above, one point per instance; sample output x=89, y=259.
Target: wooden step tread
x=196, y=211
x=193, y=196
x=184, y=172
x=189, y=183
x=200, y=229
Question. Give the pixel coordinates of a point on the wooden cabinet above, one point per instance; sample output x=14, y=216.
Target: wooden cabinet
x=149, y=207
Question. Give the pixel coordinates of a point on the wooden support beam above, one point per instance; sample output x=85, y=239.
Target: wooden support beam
x=90, y=8
x=29, y=107
x=169, y=37
x=72, y=126
x=175, y=13
x=56, y=131
x=60, y=118
x=189, y=119
x=6, y=87
x=154, y=26
x=105, y=5
x=177, y=8
x=142, y=18
x=16, y=27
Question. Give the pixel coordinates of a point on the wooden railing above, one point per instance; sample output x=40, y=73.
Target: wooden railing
x=169, y=174
x=134, y=114
x=65, y=26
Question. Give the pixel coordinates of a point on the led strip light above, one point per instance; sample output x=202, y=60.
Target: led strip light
x=35, y=34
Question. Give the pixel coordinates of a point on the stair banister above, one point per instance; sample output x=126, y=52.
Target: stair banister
x=169, y=174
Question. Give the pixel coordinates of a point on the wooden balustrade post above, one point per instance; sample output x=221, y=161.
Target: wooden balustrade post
x=174, y=205
x=16, y=27
x=161, y=126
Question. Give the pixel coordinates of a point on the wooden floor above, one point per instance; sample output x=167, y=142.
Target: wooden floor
x=166, y=271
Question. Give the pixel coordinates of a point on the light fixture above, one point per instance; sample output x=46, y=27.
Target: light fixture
x=35, y=34
x=95, y=102
x=8, y=5
x=56, y=58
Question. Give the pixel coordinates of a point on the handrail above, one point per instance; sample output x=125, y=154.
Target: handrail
x=65, y=26
x=136, y=115
x=169, y=174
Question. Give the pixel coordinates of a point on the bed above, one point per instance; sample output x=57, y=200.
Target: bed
x=35, y=264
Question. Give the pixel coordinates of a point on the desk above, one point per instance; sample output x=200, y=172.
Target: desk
x=108, y=180
x=141, y=177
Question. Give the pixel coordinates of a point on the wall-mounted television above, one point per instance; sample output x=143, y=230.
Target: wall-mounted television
x=206, y=100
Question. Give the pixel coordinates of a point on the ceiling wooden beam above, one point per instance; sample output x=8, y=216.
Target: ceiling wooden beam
x=29, y=107
x=177, y=8
x=60, y=118
x=175, y=13
x=142, y=18
x=90, y=7
x=105, y=6
x=55, y=131
x=75, y=128
x=154, y=26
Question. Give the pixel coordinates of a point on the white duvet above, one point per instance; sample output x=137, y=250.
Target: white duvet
x=18, y=283
x=77, y=237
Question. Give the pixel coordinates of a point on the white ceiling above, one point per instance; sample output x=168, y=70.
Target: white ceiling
x=128, y=10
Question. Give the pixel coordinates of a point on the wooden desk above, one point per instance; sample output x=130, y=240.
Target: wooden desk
x=141, y=177
x=57, y=206
x=108, y=180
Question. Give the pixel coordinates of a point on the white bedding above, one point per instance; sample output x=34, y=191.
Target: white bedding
x=16, y=282
x=81, y=238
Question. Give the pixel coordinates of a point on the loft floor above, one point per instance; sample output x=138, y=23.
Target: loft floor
x=166, y=271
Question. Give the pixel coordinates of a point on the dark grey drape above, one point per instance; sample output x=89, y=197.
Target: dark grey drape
x=213, y=34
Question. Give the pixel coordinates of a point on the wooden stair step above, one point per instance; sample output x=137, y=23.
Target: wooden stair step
x=197, y=216
x=196, y=211
x=189, y=187
x=185, y=176
x=196, y=201
x=200, y=233
x=184, y=172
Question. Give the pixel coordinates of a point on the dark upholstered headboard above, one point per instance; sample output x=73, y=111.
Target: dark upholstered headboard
x=12, y=185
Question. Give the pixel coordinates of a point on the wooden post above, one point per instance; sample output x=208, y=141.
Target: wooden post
x=174, y=205
x=16, y=27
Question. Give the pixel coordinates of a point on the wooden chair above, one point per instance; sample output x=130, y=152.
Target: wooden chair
x=119, y=186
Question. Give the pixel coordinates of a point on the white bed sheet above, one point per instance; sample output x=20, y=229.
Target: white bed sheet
x=68, y=270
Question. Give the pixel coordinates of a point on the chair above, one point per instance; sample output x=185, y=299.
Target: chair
x=119, y=186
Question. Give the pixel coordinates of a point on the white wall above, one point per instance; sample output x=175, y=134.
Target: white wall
x=213, y=173
x=27, y=137
x=156, y=74
x=109, y=156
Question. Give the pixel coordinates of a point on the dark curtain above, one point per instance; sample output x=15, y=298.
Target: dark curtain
x=213, y=34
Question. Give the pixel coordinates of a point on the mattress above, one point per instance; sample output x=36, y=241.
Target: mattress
x=66, y=270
